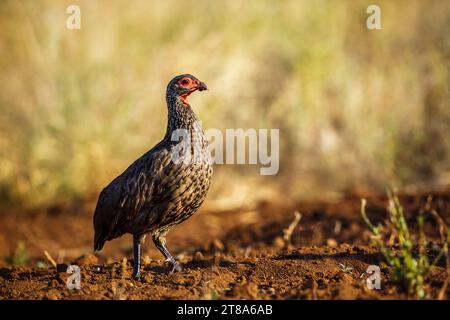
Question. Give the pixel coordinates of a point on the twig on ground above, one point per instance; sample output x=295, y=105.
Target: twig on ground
x=49, y=258
x=287, y=233
x=345, y=269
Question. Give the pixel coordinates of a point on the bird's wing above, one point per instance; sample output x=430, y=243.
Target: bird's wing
x=125, y=196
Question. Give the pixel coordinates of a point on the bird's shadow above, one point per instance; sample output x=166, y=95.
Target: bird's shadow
x=195, y=265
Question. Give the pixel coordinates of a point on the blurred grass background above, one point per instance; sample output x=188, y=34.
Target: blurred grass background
x=356, y=108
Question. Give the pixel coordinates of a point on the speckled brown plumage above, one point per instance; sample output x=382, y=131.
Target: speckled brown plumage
x=161, y=188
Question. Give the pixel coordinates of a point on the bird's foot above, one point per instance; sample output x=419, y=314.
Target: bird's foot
x=176, y=267
x=136, y=276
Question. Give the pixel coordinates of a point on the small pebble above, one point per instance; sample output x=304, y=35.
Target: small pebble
x=278, y=242
x=146, y=260
x=252, y=290
x=331, y=243
x=198, y=257
x=148, y=278
x=218, y=245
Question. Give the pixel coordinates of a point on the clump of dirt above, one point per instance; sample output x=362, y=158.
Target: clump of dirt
x=228, y=255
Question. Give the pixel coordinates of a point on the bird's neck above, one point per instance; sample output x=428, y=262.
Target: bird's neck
x=180, y=116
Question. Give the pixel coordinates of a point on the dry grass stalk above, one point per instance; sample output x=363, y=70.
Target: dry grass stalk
x=49, y=258
x=287, y=233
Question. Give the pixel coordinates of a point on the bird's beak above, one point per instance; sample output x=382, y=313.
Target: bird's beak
x=202, y=86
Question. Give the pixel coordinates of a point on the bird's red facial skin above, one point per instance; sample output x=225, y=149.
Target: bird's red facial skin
x=184, y=98
x=188, y=83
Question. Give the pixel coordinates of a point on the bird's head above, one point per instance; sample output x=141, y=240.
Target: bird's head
x=183, y=85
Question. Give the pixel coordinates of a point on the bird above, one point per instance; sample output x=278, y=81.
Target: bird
x=162, y=188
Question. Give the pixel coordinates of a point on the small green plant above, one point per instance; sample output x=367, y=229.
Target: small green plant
x=213, y=295
x=41, y=265
x=409, y=267
x=19, y=256
x=345, y=269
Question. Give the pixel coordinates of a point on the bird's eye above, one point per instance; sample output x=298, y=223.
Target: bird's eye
x=184, y=81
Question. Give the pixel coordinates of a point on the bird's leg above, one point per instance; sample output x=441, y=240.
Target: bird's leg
x=137, y=257
x=160, y=243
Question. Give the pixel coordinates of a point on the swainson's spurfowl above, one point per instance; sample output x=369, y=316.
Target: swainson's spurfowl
x=165, y=186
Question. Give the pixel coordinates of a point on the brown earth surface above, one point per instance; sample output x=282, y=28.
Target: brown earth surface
x=236, y=254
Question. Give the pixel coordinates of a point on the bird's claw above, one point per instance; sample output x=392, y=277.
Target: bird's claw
x=176, y=267
x=136, y=276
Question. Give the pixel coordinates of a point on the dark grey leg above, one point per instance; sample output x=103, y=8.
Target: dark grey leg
x=137, y=257
x=160, y=243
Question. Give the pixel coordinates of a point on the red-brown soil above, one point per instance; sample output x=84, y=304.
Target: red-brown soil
x=228, y=255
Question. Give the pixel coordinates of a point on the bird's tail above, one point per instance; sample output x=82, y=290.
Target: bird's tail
x=99, y=241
